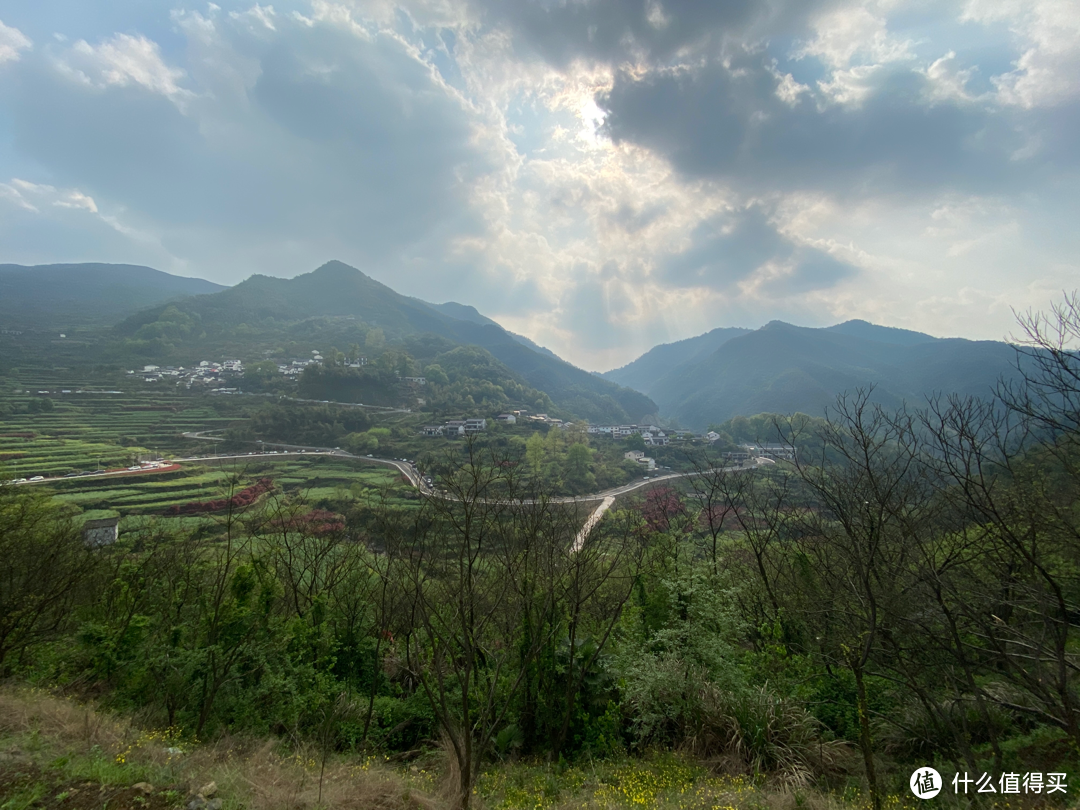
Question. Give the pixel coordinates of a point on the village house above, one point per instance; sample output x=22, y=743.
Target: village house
x=102, y=532
x=785, y=452
x=640, y=458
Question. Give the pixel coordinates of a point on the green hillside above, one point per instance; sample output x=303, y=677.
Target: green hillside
x=62, y=296
x=786, y=369
x=339, y=304
x=643, y=373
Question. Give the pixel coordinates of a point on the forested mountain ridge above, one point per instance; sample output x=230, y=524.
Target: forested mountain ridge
x=644, y=372
x=787, y=369
x=62, y=296
x=339, y=302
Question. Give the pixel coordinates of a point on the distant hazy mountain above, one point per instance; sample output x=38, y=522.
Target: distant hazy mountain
x=882, y=334
x=49, y=296
x=642, y=374
x=338, y=290
x=784, y=368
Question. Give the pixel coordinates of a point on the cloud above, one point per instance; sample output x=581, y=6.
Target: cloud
x=12, y=41
x=1048, y=31
x=743, y=251
x=275, y=150
x=122, y=61
x=730, y=122
x=600, y=176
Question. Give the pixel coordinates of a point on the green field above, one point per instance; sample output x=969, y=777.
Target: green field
x=88, y=428
x=323, y=481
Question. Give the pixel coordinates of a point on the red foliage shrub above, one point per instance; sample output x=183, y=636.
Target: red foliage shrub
x=662, y=506
x=243, y=498
x=316, y=522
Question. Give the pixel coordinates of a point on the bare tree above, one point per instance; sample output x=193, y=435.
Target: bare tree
x=866, y=491
x=478, y=562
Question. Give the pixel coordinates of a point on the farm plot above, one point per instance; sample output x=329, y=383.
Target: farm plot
x=323, y=481
x=88, y=431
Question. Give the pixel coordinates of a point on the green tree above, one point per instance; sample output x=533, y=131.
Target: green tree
x=534, y=453
x=374, y=342
x=44, y=564
x=578, y=476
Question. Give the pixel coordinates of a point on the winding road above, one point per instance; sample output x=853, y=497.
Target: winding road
x=606, y=498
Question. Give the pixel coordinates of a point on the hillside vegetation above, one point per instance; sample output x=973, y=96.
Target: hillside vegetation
x=337, y=303
x=787, y=369
x=902, y=594
x=64, y=296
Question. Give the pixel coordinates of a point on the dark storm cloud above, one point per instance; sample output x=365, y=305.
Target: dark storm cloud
x=565, y=30
x=703, y=94
x=730, y=248
x=729, y=123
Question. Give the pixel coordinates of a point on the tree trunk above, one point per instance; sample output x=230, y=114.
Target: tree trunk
x=865, y=741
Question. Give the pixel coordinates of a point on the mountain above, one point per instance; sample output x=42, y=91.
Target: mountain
x=786, y=369
x=60, y=296
x=321, y=301
x=463, y=312
x=882, y=334
x=642, y=374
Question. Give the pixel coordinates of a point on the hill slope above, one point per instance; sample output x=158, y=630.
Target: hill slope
x=337, y=290
x=784, y=368
x=463, y=312
x=58, y=296
x=643, y=373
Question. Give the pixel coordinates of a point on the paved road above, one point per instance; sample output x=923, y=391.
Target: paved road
x=405, y=468
x=382, y=408
x=606, y=498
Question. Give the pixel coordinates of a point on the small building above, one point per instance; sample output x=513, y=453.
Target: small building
x=455, y=427
x=475, y=425
x=415, y=380
x=508, y=418
x=102, y=532
x=640, y=458
x=785, y=452
x=712, y=436
x=432, y=430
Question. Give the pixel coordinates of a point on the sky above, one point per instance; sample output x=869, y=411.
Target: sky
x=598, y=176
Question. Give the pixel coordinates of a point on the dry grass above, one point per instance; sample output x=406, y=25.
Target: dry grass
x=33, y=711
x=40, y=727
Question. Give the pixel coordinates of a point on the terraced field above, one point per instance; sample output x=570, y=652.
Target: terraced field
x=323, y=481
x=92, y=429
x=90, y=424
